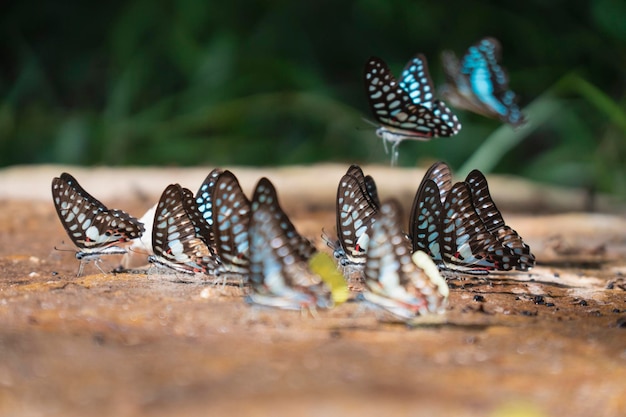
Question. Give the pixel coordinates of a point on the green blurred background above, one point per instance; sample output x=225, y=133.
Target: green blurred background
x=202, y=82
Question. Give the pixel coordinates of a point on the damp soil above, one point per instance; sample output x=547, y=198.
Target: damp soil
x=548, y=342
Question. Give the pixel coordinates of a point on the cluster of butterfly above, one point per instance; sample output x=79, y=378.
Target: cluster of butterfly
x=219, y=231
x=408, y=109
x=458, y=225
x=216, y=231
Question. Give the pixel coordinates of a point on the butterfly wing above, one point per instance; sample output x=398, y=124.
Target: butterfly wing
x=440, y=173
x=231, y=217
x=174, y=240
x=355, y=213
x=393, y=280
x=278, y=273
x=416, y=81
x=425, y=221
x=265, y=194
x=204, y=202
x=87, y=221
x=467, y=244
x=394, y=109
x=494, y=222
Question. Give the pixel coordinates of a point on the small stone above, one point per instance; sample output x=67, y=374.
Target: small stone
x=479, y=298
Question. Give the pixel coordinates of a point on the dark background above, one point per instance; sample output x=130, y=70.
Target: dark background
x=201, y=82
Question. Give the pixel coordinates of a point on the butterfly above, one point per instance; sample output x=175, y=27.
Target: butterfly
x=93, y=228
x=357, y=204
x=279, y=272
x=403, y=283
x=494, y=222
x=408, y=109
x=457, y=225
x=231, y=215
x=479, y=84
x=178, y=239
x=205, y=207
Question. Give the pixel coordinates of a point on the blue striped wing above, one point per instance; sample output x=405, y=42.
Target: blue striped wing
x=479, y=84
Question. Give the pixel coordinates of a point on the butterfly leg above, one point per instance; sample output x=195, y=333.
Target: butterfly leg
x=97, y=264
x=394, y=153
x=385, y=145
x=81, y=267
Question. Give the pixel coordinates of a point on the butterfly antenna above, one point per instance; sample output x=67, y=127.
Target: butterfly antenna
x=369, y=122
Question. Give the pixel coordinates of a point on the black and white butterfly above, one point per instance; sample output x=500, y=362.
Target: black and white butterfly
x=479, y=84
x=408, y=109
x=357, y=205
x=231, y=216
x=494, y=222
x=93, y=228
x=404, y=283
x=179, y=239
x=279, y=273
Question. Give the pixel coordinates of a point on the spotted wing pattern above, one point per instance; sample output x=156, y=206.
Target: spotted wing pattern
x=279, y=273
x=175, y=240
x=231, y=216
x=265, y=194
x=478, y=83
x=466, y=242
x=93, y=228
x=452, y=232
x=204, y=200
x=394, y=281
x=494, y=222
x=407, y=108
x=425, y=220
x=440, y=173
x=357, y=203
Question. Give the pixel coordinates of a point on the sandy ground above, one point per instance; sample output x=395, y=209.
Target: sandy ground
x=551, y=342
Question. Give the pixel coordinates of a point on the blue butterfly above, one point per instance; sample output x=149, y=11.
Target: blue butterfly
x=408, y=109
x=479, y=84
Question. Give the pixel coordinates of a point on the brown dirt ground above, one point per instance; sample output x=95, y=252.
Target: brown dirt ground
x=551, y=342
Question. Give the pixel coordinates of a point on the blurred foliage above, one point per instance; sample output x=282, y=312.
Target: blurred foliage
x=256, y=82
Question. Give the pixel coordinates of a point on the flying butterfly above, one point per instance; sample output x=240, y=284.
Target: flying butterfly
x=231, y=215
x=177, y=242
x=405, y=284
x=357, y=205
x=279, y=273
x=452, y=232
x=479, y=84
x=93, y=228
x=408, y=109
x=494, y=222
